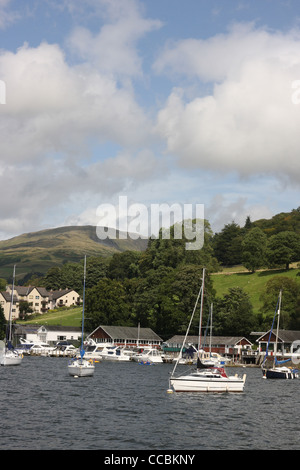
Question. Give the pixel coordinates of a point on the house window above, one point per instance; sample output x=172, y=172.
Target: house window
x=37, y=297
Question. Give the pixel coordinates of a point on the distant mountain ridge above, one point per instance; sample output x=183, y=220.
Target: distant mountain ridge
x=36, y=252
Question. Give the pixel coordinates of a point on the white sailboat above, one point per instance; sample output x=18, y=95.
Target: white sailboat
x=8, y=355
x=204, y=379
x=80, y=367
x=277, y=371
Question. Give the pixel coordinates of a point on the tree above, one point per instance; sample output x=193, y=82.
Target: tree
x=290, y=307
x=228, y=245
x=107, y=304
x=233, y=314
x=2, y=324
x=124, y=265
x=283, y=248
x=253, y=249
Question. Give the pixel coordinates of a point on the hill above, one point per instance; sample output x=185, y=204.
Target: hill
x=252, y=283
x=36, y=252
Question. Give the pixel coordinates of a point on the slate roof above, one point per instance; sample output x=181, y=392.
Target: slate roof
x=286, y=336
x=220, y=340
x=129, y=332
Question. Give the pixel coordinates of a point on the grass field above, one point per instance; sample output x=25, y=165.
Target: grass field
x=252, y=283
x=62, y=317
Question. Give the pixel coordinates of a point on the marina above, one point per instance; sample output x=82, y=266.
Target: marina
x=127, y=407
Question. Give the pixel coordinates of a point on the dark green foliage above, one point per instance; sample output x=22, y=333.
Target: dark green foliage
x=290, y=306
x=233, y=314
x=2, y=324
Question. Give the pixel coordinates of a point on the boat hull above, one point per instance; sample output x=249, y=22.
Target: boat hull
x=81, y=368
x=115, y=358
x=10, y=360
x=199, y=383
x=279, y=373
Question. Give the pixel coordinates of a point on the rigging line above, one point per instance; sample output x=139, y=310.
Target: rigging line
x=267, y=349
x=187, y=331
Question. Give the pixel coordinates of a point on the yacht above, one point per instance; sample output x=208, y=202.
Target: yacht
x=148, y=354
x=116, y=353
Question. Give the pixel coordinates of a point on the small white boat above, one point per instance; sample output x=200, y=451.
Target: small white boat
x=148, y=354
x=116, y=353
x=80, y=367
x=10, y=357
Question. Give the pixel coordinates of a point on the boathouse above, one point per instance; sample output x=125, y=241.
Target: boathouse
x=229, y=346
x=50, y=334
x=125, y=336
x=288, y=342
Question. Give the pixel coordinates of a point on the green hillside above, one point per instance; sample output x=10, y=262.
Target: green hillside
x=252, y=283
x=39, y=251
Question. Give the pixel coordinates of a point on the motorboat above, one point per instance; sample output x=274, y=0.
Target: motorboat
x=116, y=353
x=41, y=349
x=93, y=351
x=212, y=379
x=147, y=354
x=212, y=359
x=64, y=350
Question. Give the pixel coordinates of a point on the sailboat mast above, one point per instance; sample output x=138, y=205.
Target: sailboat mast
x=277, y=330
x=201, y=310
x=83, y=301
x=11, y=306
x=211, y=312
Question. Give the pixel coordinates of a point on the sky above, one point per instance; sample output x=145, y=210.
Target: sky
x=193, y=102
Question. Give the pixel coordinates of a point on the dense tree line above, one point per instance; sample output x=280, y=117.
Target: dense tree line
x=261, y=244
x=158, y=287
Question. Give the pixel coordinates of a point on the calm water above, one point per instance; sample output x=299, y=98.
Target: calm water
x=126, y=407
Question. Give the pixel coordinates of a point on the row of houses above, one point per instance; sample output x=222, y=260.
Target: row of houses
x=239, y=348
x=39, y=299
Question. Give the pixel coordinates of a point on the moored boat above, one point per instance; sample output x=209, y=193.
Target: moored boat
x=205, y=378
x=8, y=355
x=79, y=366
x=148, y=354
x=277, y=371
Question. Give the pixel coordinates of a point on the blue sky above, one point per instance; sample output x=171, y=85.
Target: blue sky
x=162, y=101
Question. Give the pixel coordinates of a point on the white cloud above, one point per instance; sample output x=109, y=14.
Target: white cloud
x=249, y=123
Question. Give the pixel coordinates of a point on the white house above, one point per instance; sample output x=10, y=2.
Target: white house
x=63, y=298
x=47, y=333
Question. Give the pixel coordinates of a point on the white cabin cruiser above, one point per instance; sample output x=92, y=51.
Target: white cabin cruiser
x=148, y=354
x=116, y=353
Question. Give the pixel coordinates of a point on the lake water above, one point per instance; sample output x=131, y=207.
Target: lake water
x=127, y=407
